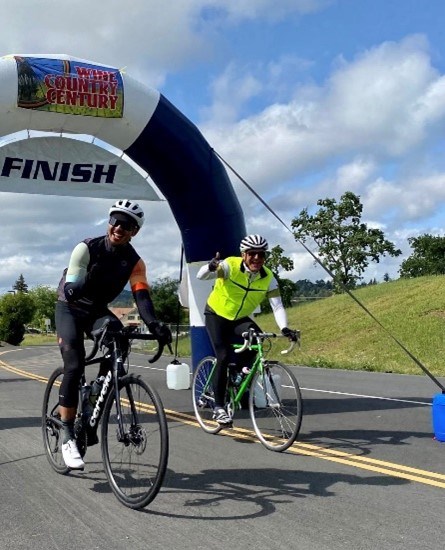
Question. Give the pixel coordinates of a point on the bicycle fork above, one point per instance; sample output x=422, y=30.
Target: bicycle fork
x=272, y=395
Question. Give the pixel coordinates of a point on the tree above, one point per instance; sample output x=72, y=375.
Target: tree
x=428, y=257
x=44, y=301
x=164, y=294
x=20, y=285
x=345, y=244
x=275, y=262
x=16, y=311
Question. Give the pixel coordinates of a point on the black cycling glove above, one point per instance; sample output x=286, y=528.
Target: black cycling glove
x=291, y=334
x=161, y=332
x=213, y=264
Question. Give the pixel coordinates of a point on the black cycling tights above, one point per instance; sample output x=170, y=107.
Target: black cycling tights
x=72, y=324
x=223, y=333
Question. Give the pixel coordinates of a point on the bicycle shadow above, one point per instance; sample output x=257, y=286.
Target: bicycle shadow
x=262, y=489
x=359, y=442
x=364, y=437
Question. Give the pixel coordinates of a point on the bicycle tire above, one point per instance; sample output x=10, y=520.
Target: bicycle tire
x=276, y=406
x=136, y=466
x=204, y=399
x=52, y=440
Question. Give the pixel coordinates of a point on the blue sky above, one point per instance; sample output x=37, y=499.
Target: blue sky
x=306, y=99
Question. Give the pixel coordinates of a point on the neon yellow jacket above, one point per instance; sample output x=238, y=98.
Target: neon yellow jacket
x=238, y=296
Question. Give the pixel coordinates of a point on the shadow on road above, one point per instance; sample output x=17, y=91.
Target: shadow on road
x=260, y=489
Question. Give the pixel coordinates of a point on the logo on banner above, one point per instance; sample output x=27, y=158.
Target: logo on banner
x=58, y=171
x=69, y=87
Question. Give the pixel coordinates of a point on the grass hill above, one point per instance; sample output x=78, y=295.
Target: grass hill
x=338, y=333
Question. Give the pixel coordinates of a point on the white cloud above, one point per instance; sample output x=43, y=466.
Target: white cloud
x=272, y=10
x=381, y=103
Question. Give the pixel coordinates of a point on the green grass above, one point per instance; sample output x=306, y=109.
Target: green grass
x=38, y=339
x=337, y=333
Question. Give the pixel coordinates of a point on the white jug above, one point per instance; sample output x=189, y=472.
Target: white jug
x=272, y=397
x=178, y=376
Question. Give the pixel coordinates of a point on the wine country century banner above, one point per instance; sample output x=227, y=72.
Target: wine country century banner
x=69, y=87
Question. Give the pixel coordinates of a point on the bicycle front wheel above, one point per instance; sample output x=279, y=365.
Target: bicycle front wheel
x=135, y=446
x=276, y=406
x=203, y=396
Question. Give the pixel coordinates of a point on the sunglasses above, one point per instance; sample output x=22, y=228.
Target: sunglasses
x=125, y=225
x=253, y=253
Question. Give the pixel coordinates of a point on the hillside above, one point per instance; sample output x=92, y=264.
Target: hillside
x=338, y=333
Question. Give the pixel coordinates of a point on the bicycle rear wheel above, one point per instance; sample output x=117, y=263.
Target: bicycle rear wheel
x=203, y=396
x=136, y=460
x=51, y=428
x=276, y=406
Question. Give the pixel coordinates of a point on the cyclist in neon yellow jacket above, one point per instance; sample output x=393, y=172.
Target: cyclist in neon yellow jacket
x=240, y=287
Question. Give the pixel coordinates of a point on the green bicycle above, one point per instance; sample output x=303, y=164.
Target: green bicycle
x=274, y=398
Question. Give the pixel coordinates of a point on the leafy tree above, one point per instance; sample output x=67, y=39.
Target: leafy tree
x=44, y=300
x=164, y=293
x=20, y=285
x=288, y=290
x=345, y=244
x=319, y=289
x=386, y=277
x=428, y=257
x=16, y=311
x=276, y=261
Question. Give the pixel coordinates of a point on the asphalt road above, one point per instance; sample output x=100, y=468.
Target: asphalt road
x=365, y=473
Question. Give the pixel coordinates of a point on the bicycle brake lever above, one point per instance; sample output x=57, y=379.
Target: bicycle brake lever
x=160, y=352
x=291, y=347
x=157, y=354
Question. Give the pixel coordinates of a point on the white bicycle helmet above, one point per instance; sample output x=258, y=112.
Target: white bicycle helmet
x=253, y=242
x=130, y=208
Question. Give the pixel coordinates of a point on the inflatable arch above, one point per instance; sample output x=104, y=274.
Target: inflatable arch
x=64, y=95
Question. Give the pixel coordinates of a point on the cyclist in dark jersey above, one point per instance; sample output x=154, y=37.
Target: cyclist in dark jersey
x=98, y=271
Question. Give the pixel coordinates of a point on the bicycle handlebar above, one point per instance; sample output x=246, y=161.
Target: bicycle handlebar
x=250, y=335
x=128, y=333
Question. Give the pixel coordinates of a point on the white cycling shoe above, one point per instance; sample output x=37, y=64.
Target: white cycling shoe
x=222, y=417
x=71, y=456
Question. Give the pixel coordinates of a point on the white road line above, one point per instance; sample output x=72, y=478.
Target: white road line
x=331, y=391
x=368, y=396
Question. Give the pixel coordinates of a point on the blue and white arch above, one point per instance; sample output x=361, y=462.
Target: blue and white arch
x=143, y=124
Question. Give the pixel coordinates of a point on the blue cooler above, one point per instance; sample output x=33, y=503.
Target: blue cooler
x=439, y=416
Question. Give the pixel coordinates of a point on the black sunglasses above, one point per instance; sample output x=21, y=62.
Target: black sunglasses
x=253, y=253
x=125, y=225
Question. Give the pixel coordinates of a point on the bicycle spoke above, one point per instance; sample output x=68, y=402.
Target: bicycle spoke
x=135, y=447
x=275, y=406
x=203, y=397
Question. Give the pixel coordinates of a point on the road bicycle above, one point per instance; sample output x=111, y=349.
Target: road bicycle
x=274, y=398
x=134, y=434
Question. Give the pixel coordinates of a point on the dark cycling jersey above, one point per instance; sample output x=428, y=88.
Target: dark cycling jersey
x=97, y=274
